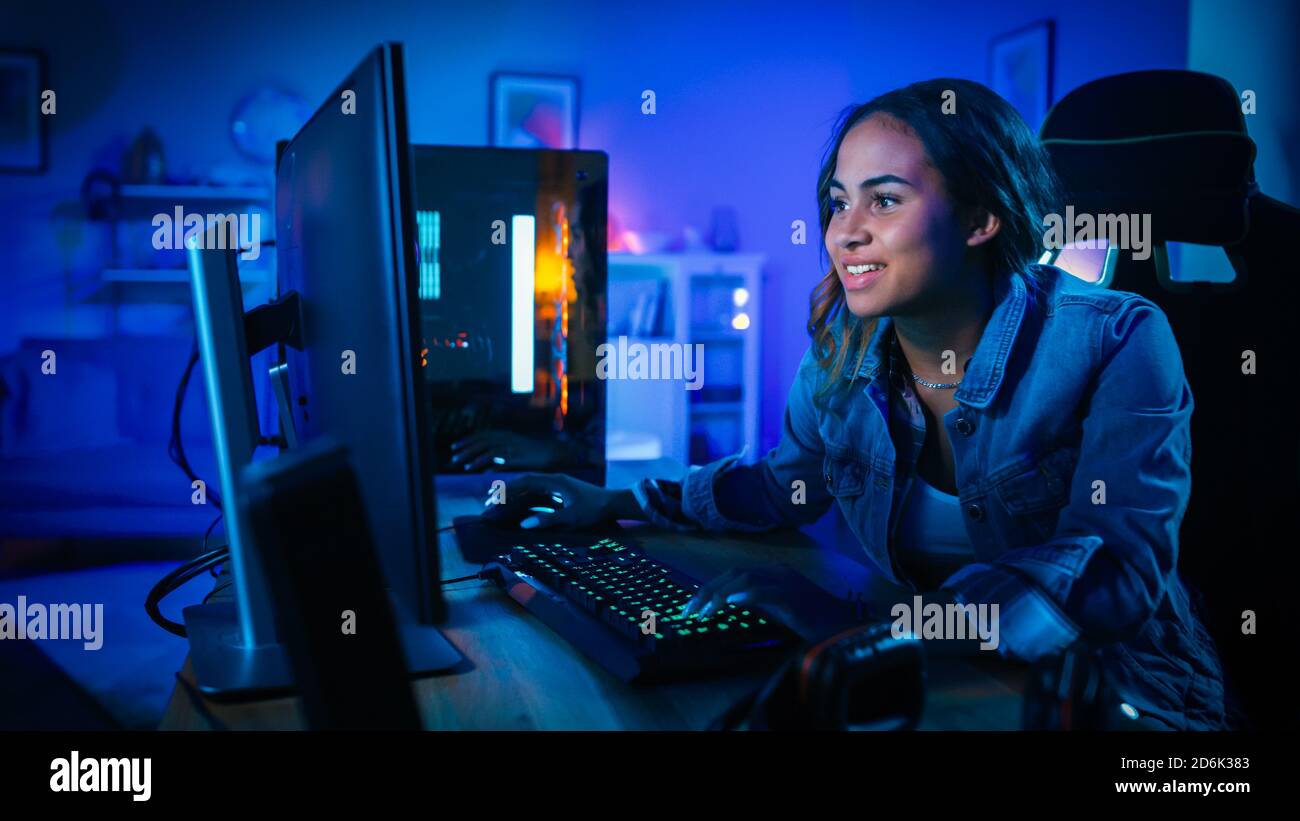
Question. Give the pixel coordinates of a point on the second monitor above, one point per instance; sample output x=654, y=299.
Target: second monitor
x=513, y=277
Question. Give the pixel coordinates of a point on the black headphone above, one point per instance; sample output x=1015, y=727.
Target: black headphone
x=862, y=678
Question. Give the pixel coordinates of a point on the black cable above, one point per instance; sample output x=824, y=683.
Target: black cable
x=175, y=449
x=463, y=578
x=446, y=582
x=174, y=580
x=208, y=533
x=207, y=560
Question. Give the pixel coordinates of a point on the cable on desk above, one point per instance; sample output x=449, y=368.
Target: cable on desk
x=208, y=533
x=173, y=580
x=479, y=575
x=175, y=447
x=209, y=559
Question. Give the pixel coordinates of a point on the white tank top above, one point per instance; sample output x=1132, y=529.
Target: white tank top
x=931, y=541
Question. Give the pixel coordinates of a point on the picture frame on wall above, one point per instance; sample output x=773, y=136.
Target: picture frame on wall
x=1021, y=69
x=24, y=130
x=533, y=110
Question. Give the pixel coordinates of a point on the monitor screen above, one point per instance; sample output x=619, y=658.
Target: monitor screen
x=512, y=271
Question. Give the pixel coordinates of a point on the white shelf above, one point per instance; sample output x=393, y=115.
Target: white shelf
x=143, y=201
x=666, y=410
x=119, y=284
x=220, y=193
x=196, y=192
x=157, y=286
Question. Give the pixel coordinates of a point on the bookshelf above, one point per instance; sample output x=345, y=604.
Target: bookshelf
x=705, y=299
x=137, y=273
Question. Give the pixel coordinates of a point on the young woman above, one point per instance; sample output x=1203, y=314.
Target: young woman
x=994, y=431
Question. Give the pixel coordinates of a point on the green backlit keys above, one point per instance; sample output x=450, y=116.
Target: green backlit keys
x=617, y=585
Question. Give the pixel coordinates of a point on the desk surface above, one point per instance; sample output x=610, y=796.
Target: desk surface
x=523, y=676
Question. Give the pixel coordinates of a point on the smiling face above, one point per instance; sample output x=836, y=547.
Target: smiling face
x=894, y=236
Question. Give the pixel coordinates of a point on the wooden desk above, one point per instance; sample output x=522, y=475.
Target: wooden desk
x=523, y=676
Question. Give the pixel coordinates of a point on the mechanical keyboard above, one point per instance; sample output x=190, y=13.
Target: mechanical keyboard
x=622, y=608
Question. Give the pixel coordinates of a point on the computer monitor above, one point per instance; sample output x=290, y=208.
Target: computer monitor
x=345, y=233
x=346, y=273
x=513, y=302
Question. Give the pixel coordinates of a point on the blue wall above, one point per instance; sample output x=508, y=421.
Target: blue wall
x=746, y=96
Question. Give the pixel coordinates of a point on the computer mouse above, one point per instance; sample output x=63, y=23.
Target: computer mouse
x=519, y=505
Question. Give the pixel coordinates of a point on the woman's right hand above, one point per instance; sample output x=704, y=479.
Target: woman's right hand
x=585, y=504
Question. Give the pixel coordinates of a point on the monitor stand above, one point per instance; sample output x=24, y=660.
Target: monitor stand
x=226, y=671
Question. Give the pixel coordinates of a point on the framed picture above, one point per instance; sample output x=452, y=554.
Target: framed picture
x=1020, y=69
x=23, y=128
x=533, y=111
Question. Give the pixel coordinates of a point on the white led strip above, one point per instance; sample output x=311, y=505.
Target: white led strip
x=523, y=232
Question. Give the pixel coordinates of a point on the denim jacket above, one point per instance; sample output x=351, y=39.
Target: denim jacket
x=1072, y=447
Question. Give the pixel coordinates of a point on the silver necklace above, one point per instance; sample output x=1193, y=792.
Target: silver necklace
x=939, y=385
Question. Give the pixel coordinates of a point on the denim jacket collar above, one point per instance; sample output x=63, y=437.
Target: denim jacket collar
x=985, y=370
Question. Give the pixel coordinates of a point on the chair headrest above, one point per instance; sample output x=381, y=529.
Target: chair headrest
x=1170, y=143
